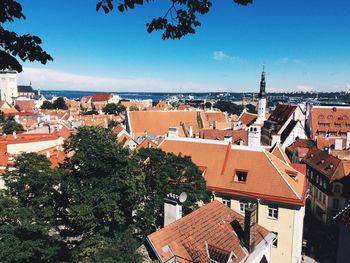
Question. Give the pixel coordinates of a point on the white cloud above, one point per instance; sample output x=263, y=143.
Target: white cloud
x=304, y=88
x=221, y=56
x=43, y=78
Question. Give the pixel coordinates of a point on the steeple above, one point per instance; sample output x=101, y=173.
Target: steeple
x=262, y=93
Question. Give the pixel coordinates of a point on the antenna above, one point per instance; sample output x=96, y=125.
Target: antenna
x=183, y=197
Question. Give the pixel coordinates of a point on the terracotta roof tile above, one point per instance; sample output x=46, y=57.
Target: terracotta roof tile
x=267, y=177
x=277, y=150
x=210, y=224
x=101, y=97
x=326, y=118
x=247, y=118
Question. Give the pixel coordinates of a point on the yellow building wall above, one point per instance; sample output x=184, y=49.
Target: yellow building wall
x=284, y=226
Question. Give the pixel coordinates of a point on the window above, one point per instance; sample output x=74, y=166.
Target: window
x=311, y=174
x=292, y=174
x=317, y=178
x=336, y=189
x=336, y=203
x=324, y=199
x=308, y=172
x=226, y=202
x=242, y=206
x=273, y=211
x=275, y=242
x=241, y=176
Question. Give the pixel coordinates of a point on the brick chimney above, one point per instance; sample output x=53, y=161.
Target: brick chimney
x=250, y=225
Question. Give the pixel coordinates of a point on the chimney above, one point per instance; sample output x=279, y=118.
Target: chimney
x=254, y=136
x=172, y=209
x=48, y=154
x=347, y=140
x=250, y=225
x=190, y=131
x=14, y=135
x=228, y=138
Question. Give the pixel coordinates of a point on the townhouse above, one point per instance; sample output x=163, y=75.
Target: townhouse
x=241, y=175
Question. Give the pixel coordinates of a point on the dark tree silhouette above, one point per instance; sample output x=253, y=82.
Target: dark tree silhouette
x=179, y=20
x=13, y=46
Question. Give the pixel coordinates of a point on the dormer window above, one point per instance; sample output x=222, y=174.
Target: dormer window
x=241, y=176
x=337, y=188
x=292, y=174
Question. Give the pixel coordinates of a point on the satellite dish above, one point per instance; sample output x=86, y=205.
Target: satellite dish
x=183, y=197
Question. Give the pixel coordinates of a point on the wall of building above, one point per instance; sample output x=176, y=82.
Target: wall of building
x=343, y=254
x=289, y=227
x=33, y=146
x=8, y=86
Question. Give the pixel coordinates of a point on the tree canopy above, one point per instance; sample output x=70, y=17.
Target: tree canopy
x=179, y=20
x=113, y=108
x=58, y=103
x=96, y=206
x=229, y=107
x=13, y=46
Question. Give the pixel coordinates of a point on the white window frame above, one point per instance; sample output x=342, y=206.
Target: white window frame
x=226, y=202
x=274, y=212
x=243, y=205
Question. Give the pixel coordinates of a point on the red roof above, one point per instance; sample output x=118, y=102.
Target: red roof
x=212, y=228
x=102, y=97
x=25, y=105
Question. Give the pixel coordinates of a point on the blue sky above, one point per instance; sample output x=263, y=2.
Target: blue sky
x=303, y=44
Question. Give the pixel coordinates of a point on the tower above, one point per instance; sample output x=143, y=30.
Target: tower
x=8, y=85
x=262, y=100
x=254, y=135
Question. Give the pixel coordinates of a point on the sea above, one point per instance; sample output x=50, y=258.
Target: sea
x=154, y=96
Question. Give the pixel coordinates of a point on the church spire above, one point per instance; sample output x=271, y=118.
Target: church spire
x=262, y=93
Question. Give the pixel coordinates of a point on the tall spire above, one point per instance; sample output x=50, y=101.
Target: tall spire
x=262, y=93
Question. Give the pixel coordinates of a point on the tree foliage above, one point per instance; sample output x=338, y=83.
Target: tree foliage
x=228, y=106
x=113, y=108
x=179, y=20
x=27, y=212
x=251, y=108
x=101, y=187
x=58, y=103
x=9, y=126
x=167, y=173
x=95, y=206
x=13, y=46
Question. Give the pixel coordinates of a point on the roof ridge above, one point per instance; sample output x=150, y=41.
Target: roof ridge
x=282, y=174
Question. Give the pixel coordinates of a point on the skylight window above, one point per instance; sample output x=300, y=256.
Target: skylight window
x=292, y=174
x=241, y=176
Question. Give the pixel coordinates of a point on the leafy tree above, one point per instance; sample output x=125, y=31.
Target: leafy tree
x=121, y=250
x=179, y=20
x=229, y=107
x=2, y=117
x=47, y=105
x=208, y=105
x=90, y=112
x=133, y=108
x=114, y=108
x=9, y=126
x=27, y=212
x=167, y=173
x=59, y=103
x=101, y=188
x=251, y=108
x=13, y=46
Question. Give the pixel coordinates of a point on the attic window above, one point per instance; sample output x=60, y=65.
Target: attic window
x=330, y=117
x=321, y=116
x=292, y=174
x=241, y=176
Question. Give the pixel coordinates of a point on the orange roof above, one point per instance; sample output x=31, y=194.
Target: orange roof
x=329, y=142
x=137, y=104
x=162, y=105
x=158, y=122
x=26, y=138
x=247, y=118
x=101, y=97
x=146, y=143
x=85, y=99
x=267, y=175
x=25, y=105
x=215, y=134
x=55, y=155
x=4, y=158
x=210, y=225
x=277, y=151
x=329, y=118
x=123, y=138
